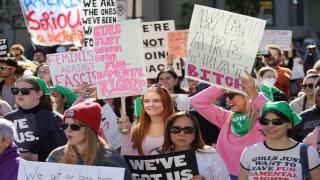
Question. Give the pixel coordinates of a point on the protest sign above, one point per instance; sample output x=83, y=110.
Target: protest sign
x=155, y=41
x=281, y=38
x=182, y=102
x=221, y=46
x=96, y=12
x=110, y=127
x=53, y=22
x=119, y=59
x=177, y=43
x=3, y=47
x=72, y=68
x=177, y=165
x=43, y=170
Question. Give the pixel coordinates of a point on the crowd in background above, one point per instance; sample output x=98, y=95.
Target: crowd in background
x=279, y=113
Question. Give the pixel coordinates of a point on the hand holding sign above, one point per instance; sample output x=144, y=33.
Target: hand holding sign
x=249, y=85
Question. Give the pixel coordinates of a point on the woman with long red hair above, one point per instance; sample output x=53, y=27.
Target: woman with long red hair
x=148, y=134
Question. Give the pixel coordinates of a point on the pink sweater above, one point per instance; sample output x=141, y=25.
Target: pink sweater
x=228, y=145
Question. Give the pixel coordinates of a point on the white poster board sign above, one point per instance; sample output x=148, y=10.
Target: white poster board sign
x=43, y=170
x=52, y=23
x=71, y=69
x=119, y=59
x=281, y=38
x=222, y=45
x=155, y=42
x=96, y=12
x=182, y=101
x=110, y=127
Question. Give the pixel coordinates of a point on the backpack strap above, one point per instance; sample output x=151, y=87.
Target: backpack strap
x=304, y=161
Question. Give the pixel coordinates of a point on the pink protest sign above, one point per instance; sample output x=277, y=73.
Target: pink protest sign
x=119, y=59
x=72, y=68
x=177, y=43
x=221, y=46
x=53, y=22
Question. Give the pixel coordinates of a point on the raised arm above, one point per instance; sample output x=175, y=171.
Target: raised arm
x=203, y=103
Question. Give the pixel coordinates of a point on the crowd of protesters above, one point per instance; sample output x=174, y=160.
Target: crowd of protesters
x=229, y=131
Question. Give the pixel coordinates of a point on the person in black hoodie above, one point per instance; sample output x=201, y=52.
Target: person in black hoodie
x=37, y=125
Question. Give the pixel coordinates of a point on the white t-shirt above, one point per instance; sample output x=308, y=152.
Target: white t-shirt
x=264, y=162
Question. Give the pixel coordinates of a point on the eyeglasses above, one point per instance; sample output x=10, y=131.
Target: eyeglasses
x=310, y=86
x=186, y=130
x=4, y=67
x=44, y=71
x=73, y=127
x=276, y=122
x=24, y=91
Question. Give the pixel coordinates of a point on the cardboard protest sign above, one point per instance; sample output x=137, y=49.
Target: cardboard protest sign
x=177, y=43
x=72, y=68
x=96, y=12
x=53, y=22
x=110, y=127
x=281, y=38
x=222, y=45
x=119, y=59
x=155, y=41
x=178, y=165
x=3, y=47
x=44, y=170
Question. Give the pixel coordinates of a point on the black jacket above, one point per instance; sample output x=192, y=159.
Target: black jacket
x=38, y=130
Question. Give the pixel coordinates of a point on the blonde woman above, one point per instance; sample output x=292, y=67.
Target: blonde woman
x=84, y=146
x=239, y=126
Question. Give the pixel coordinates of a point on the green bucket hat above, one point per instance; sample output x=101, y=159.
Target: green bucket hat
x=283, y=108
x=42, y=84
x=71, y=96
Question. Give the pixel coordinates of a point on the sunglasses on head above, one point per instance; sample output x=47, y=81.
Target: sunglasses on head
x=24, y=91
x=4, y=67
x=310, y=86
x=73, y=127
x=276, y=122
x=44, y=71
x=186, y=130
x=231, y=95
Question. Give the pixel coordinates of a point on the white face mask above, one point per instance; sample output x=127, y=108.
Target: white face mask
x=269, y=81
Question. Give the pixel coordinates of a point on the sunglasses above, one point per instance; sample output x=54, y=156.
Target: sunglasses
x=73, y=127
x=24, y=91
x=276, y=122
x=4, y=67
x=186, y=130
x=310, y=86
x=43, y=72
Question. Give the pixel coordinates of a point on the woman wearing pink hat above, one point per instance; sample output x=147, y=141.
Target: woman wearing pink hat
x=84, y=146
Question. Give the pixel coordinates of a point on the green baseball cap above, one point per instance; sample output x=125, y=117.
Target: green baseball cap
x=42, y=84
x=71, y=96
x=284, y=108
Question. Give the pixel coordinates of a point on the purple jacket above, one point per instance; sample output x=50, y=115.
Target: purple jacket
x=9, y=163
